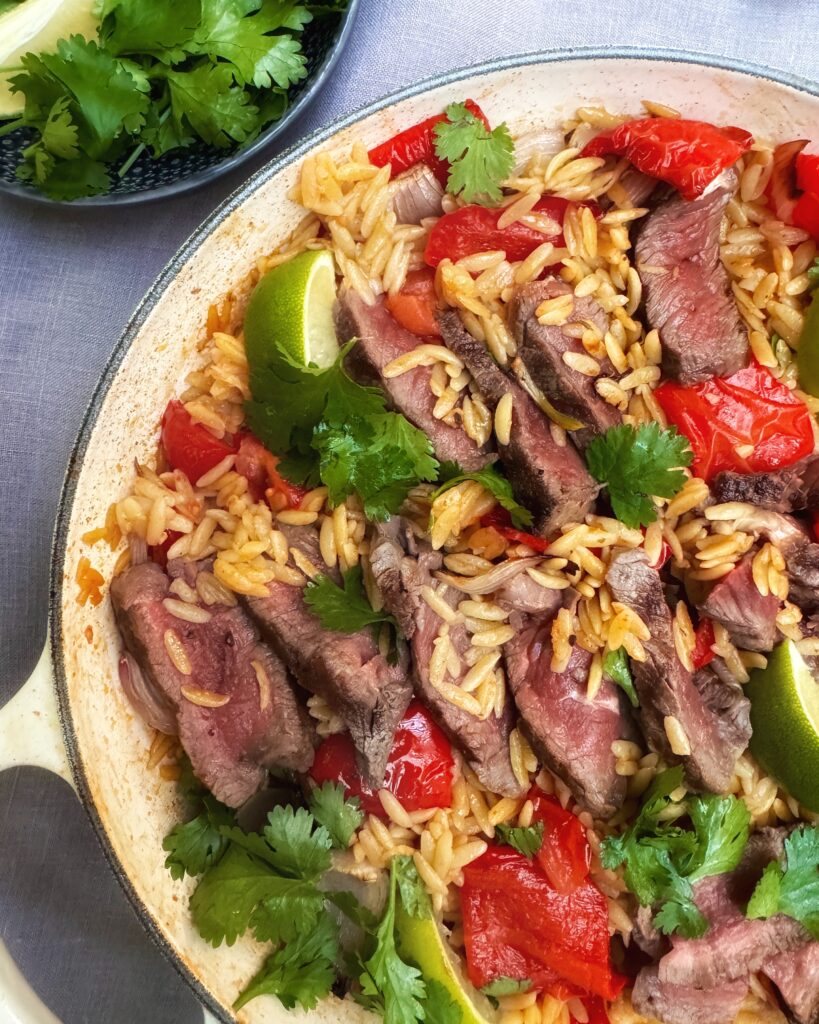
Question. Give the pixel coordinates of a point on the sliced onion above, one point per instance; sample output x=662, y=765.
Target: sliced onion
x=152, y=707
x=537, y=142
x=139, y=549
x=543, y=403
x=417, y=194
x=489, y=582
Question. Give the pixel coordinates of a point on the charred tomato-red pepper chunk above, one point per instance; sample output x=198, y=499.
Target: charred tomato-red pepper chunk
x=500, y=520
x=746, y=423
x=564, y=853
x=258, y=466
x=517, y=925
x=415, y=304
x=419, y=769
x=686, y=154
x=704, y=640
x=416, y=145
x=189, y=446
x=474, y=228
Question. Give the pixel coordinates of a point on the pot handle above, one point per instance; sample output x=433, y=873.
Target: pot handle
x=30, y=729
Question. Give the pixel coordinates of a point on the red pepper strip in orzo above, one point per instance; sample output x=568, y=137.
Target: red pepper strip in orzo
x=416, y=145
x=517, y=925
x=419, y=770
x=686, y=154
x=414, y=305
x=704, y=640
x=564, y=854
x=258, y=466
x=746, y=423
x=501, y=521
x=189, y=446
x=474, y=228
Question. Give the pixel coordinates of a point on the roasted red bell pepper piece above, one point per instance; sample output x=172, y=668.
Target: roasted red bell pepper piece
x=596, y=1012
x=501, y=521
x=159, y=552
x=750, y=408
x=414, y=306
x=704, y=640
x=189, y=446
x=419, y=769
x=807, y=172
x=564, y=854
x=517, y=925
x=416, y=145
x=258, y=465
x=686, y=154
x=474, y=228
x=781, y=188
x=806, y=213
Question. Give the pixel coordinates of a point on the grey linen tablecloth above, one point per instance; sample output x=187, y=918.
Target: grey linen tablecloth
x=69, y=280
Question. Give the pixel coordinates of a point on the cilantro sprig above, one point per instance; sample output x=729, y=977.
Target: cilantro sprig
x=343, y=609
x=615, y=666
x=332, y=429
x=158, y=77
x=479, y=158
x=636, y=463
x=662, y=861
x=450, y=474
x=792, y=889
x=338, y=814
x=525, y=839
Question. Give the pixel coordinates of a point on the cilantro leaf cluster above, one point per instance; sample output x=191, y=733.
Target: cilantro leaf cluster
x=159, y=77
x=343, y=609
x=662, y=861
x=479, y=158
x=616, y=667
x=636, y=463
x=492, y=480
x=794, y=888
x=335, y=430
x=527, y=840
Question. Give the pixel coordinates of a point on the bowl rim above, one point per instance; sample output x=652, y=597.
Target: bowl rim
x=154, y=295
x=210, y=174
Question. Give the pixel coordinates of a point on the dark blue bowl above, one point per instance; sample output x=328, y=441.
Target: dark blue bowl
x=185, y=169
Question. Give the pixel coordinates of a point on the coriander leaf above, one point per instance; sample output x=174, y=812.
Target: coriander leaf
x=299, y=848
x=794, y=889
x=525, y=840
x=331, y=808
x=205, y=98
x=439, y=1006
x=388, y=983
x=351, y=908
x=450, y=473
x=59, y=133
x=615, y=666
x=680, y=914
x=227, y=895
x=636, y=463
x=342, y=609
x=301, y=972
x=291, y=908
x=504, y=986
x=67, y=179
x=152, y=27
x=721, y=825
x=479, y=159
x=411, y=889
x=197, y=845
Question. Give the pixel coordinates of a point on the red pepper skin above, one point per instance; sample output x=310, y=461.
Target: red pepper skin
x=518, y=926
x=807, y=172
x=258, y=466
x=159, y=552
x=416, y=145
x=414, y=306
x=474, y=228
x=419, y=770
x=781, y=189
x=751, y=407
x=686, y=154
x=814, y=522
x=704, y=640
x=190, y=447
x=564, y=854
x=806, y=213
x=596, y=1011
x=501, y=520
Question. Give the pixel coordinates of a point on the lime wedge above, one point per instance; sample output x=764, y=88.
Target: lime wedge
x=421, y=941
x=785, y=719
x=807, y=355
x=35, y=26
x=291, y=309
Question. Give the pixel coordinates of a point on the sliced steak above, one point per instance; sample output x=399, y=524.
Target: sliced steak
x=541, y=349
x=549, y=478
x=402, y=567
x=802, y=559
x=749, y=617
x=784, y=490
x=796, y=976
x=686, y=1004
x=260, y=726
x=665, y=687
x=522, y=594
x=726, y=699
x=380, y=339
x=686, y=288
x=570, y=734
x=369, y=694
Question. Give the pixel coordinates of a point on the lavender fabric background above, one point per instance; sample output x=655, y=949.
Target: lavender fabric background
x=69, y=279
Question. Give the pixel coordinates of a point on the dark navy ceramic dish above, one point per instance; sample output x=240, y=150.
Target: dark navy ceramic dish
x=176, y=172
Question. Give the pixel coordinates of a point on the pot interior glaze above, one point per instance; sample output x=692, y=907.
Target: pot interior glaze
x=132, y=809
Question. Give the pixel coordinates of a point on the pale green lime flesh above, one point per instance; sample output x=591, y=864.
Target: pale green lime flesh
x=421, y=941
x=291, y=308
x=785, y=720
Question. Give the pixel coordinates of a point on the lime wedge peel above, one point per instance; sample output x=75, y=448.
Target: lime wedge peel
x=292, y=309
x=785, y=720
